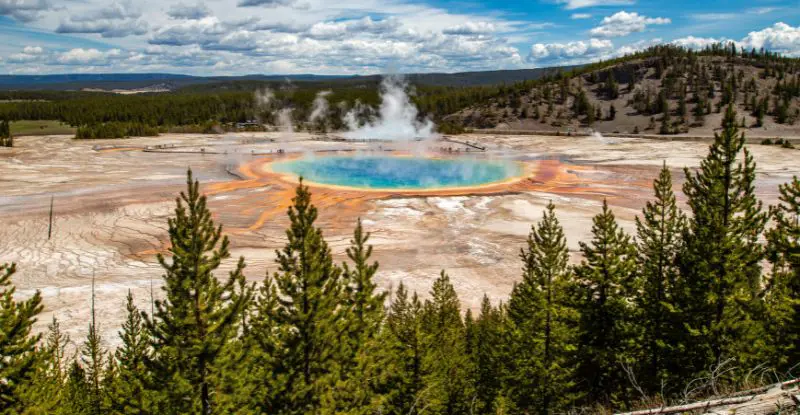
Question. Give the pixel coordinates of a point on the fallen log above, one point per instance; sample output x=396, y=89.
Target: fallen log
x=735, y=398
x=692, y=406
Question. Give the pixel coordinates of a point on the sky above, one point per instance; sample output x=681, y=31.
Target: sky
x=343, y=37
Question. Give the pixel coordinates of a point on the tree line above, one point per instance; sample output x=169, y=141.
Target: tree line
x=6, y=138
x=691, y=305
x=232, y=102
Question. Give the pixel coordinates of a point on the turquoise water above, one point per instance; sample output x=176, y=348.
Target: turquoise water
x=398, y=172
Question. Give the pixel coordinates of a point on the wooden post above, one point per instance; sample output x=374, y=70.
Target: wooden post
x=50, y=226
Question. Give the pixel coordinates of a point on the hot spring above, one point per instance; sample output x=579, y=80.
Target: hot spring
x=409, y=173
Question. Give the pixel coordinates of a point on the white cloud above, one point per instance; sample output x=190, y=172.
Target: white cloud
x=579, y=4
x=711, y=17
x=781, y=38
x=471, y=28
x=266, y=3
x=580, y=16
x=624, y=23
x=190, y=32
x=23, y=10
x=335, y=30
x=189, y=12
x=33, y=50
x=578, y=51
x=763, y=10
x=692, y=42
x=118, y=19
x=80, y=56
x=105, y=28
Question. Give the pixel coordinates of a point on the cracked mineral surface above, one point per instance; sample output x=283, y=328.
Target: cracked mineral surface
x=112, y=199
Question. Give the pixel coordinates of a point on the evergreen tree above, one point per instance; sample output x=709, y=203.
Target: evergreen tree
x=659, y=232
x=543, y=333
x=309, y=289
x=360, y=378
x=18, y=358
x=405, y=350
x=364, y=303
x=783, y=290
x=76, y=393
x=93, y=358
x=6, y=139
x=446, y=363
x=666, y=122
x=606, y=288
x=199, y=314
x=44, y=393
x=129, y=392
x=262, y=383
x=720, y=264
x=484, y=338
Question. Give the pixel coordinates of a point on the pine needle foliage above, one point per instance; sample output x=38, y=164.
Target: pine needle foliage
x=199, y=314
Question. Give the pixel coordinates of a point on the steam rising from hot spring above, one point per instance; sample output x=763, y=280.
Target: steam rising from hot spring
x=397, y=118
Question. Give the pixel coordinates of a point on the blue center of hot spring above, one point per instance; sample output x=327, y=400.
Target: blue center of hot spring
x=398, y=172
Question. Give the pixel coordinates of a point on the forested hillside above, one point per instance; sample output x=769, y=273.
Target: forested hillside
x=663, y=90
x=694, y=304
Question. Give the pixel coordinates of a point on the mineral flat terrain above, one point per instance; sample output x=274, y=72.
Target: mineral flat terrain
x=112, y=199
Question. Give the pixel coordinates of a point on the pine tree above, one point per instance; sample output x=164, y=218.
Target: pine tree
x=484, y=339
x=666, y=122
x=405, y=350
x=44, y=392
x=606, y=287
x=782, y=296
x=129, y=392
x=93, y=358
x=365, y=304
x=446, y=363
x=659, y=232
x=199, y=314
x=261, y=385
x=76, y=392
x=720, y=264
x=18, y=358
x=543, y=323
x=309, y=290
x=360, y=373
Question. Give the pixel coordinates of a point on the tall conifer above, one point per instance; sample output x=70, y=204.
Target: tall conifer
x=18, y=358
x=360, y=377
x=543, y=323
x=308, y=310
x=93, y=358
x=606, y=287
x=720, y=266
x=485, y=343
x=446, y=363
x=659, y=232
x=130, y=394
x=783, y=290
x=199, y=314
x=405, y=350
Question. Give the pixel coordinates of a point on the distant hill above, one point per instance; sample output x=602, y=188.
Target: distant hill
x=664, y=90
x=114, y=81
x=126, y=81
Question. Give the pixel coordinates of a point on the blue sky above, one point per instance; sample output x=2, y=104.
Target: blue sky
x=227, y=37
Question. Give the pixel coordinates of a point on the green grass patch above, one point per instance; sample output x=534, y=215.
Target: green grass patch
x=41, y=127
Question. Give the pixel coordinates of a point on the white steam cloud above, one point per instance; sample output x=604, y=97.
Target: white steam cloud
x=264, y=97
x=319, y=111
x=285, y=120
x=397, y=116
